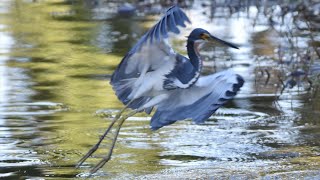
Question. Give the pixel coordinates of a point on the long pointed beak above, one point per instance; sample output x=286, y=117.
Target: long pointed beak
x=212, y=38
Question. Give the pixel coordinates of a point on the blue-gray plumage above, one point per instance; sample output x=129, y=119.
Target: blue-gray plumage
x=152, y=75
x=200, y=101
x=183, y=71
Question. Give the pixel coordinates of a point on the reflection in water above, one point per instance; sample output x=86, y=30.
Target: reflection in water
x=55, y=100
x=16, y=122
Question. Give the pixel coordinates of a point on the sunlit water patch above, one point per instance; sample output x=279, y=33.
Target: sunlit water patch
x=231, y=136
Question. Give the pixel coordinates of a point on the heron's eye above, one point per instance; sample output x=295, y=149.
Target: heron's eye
x=204, y=36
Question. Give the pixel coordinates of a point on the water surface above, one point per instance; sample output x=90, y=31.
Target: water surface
x=56, y=60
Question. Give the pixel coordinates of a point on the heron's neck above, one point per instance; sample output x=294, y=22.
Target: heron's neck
x=194, y=55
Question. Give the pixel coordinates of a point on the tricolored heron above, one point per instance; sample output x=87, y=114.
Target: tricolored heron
x=152, y=75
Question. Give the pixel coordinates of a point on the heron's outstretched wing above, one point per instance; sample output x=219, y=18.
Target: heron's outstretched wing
x=198, y=102
x=148, y=61
x=168, y=23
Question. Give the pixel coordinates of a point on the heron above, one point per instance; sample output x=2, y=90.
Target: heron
x=153, y=76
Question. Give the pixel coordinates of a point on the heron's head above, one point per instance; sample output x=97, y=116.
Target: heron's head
x=201, y=36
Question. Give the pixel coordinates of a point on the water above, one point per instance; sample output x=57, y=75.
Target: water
x=55, y=100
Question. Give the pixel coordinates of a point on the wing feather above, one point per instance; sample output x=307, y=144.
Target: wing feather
x=172, y=24
x=178, y=19
x=198, y=102
x=157, y=32
x=164, y=27
x=184, y=16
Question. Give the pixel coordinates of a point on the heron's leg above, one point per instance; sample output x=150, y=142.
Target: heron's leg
x=96, y=146
x=116, y=133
